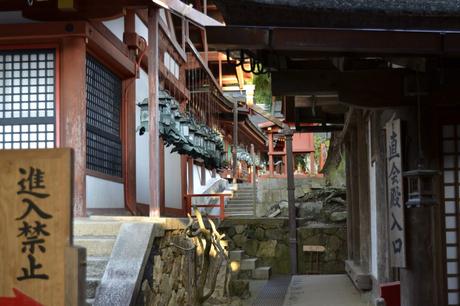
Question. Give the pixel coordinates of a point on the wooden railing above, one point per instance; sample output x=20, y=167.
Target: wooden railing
x=221, y=204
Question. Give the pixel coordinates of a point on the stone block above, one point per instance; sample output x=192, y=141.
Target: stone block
x=96, y=246
x=91, y=287
x=339, y=216
x=260, y=233
x=239, y=288
x=251, y=246
x=95, y=266
x=262, y=273
x=123, y=276
x=87, y=227
x=267, y=248
x=276, y=234
x=236, y=255
x=240, y=228
x=248, y=264
x=239, y=240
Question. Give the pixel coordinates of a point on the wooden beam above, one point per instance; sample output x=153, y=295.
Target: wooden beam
x=205, y=67
x=360, y=88
x=179, y=48
x=72, y=114
x=267, y=115
x=319, y=128
x=334, y=40
x=129, y=126
x=192, y=14
x=42, y=30
x=110, y=50
x=154, y=115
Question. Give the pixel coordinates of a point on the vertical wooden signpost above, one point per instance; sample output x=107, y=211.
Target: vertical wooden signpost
x=395, y=194
x=37, y=264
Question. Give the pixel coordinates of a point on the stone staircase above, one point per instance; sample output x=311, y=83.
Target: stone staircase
x=245, y=267
x=240, y=205
x=98, y=237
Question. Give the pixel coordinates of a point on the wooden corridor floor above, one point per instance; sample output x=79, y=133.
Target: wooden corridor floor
x=322, y=290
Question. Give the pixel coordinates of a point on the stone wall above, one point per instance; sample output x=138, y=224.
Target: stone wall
x=271, y=191
x=167, y=280
x=268, y=239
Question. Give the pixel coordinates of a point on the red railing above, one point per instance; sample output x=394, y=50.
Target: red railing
x=221, y=204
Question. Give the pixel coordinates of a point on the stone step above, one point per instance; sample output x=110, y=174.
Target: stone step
x=239, y=211
x=239, y=206
x=243, y=193
x=242, y=198
x=87, y=227
x=242, y=206
x=244, y=190
x=89, y=302
x=236, y=255
x=91, y=287
x=248, y=264
x=95, y=266
x=239, y=215
x=245, y=185
x=239, y=201
x=99, y=246
x=262, y=273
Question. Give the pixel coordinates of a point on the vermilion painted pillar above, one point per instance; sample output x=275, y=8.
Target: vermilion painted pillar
x=154, y=137
x=271, y=168
x=129, y=127
x=73, y=114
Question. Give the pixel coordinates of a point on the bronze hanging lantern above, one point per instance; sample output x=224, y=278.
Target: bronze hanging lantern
x=420, y=184
x=144, y=116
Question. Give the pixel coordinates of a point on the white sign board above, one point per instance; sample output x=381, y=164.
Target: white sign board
x=395, y=194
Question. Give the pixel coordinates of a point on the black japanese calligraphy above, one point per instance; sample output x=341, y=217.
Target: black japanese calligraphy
x=32, y=189
x=393, y=146
x=31, y=271
x=395, y=197
x=395, y=223
x=394, y=174
x=397, y=245
x=33, y=181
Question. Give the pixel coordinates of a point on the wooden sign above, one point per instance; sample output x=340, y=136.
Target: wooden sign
x=395, y=194
x=35, y=210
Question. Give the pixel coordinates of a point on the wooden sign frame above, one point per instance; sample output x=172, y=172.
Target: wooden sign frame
x=38, y=263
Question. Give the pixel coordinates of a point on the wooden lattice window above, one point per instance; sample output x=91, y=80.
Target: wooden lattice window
x=27, y=99
x=103, y=141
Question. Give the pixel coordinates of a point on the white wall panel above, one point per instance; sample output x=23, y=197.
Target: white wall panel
x=103, y=194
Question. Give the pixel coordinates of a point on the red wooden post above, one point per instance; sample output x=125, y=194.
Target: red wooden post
x=154, y=138
x=73, y=114
x=271, y=168
x=222, y=207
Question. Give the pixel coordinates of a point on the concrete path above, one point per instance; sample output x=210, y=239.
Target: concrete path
x=322, y=290
x=274, y=291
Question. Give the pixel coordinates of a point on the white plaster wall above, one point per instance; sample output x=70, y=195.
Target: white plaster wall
x=116, y=26
x=173, y=191
x=141, y=28
x=197, y=187
x=104, y=194
x=373, y=203
x=142, y=145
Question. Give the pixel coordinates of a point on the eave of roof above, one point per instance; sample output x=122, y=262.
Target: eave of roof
x=375, y=14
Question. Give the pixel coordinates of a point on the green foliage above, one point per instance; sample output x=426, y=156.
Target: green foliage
x=263, y=89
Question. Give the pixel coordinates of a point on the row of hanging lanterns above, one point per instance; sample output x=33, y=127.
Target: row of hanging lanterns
x=184, y=132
